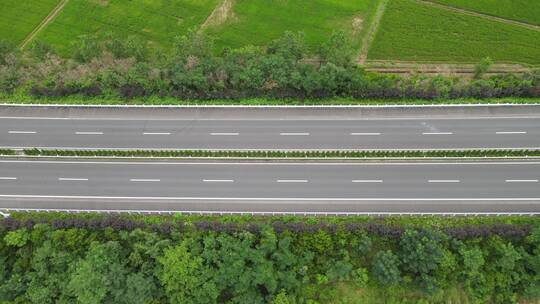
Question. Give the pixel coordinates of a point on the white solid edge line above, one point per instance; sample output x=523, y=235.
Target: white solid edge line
x=225, y=134
x=367, y=181
x=72, y=179
x=209, y=163
x=365, y=134
x=444, y=181
x=269, y=149
x=265, y=199
x=511, y=132
x=411, y=118
x=294, y=134
x=522, y=181
x=7, y=178
x=433, y=105
x=218, y=180
x=270, y=212
x=156, y=133
x=292, y=181
x=437, y=133
x=89, y=133
x=144, y=180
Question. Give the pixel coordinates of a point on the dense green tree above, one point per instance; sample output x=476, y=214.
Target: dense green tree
x=337, y=50
x=385, y=268
x=421, y=253
x=185, y=278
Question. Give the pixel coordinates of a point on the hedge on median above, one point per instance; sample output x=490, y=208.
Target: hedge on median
x=284, y=154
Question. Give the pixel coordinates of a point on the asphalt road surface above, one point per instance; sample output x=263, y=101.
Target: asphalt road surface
x=265, y=187
x=420, y=133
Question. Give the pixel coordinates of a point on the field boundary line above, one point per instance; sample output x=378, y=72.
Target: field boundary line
x=373, y=29
x=481, y=15
x=219, y=15
x=50, y=17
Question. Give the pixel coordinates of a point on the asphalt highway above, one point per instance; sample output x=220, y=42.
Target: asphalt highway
x=500, y=186
x=419, y=133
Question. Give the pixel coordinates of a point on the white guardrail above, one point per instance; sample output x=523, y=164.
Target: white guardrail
x=396, y=105
x=5, y=212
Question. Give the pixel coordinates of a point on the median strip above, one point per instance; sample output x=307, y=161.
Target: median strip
x=293, y=154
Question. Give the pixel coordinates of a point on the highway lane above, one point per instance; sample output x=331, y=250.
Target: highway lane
x=419, y=133
x=301, y=187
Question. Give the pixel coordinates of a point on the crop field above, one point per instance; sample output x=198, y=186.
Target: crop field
x=404, y=30
x=259, y=21
x=527, y=11
x=411, y=31
x=159, y=21
x=19, y=18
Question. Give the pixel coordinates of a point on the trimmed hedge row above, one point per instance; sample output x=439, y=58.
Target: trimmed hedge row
x=284, y=154
x=7, y=152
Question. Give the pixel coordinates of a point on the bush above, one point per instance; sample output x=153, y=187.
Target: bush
x=109, y=67
x=385, y=268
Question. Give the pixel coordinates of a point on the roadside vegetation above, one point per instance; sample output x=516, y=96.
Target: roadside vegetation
x=414, y=31
x=125, y=69
x=64, y=258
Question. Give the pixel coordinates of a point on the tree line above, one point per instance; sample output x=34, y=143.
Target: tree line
x=61, y=258
x=108, y=67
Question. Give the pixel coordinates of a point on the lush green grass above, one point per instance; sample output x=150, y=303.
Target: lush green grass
x=259, y=21
x=348, y=293
x=159, y=21
x=19, y=18
x=417, y=32
x=520, y=10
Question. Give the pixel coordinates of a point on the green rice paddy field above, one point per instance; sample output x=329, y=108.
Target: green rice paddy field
x=412, y=31
x=159, y=21
x=408, y=30
x=259, y=21
x=18, y=18
x=527, y=11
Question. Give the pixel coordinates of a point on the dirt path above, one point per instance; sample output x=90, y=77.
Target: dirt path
x=472, y=13
x=370, y=35
x=50, y=17
x=220, y=14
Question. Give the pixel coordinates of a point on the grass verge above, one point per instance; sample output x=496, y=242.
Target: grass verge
x=281, y=154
